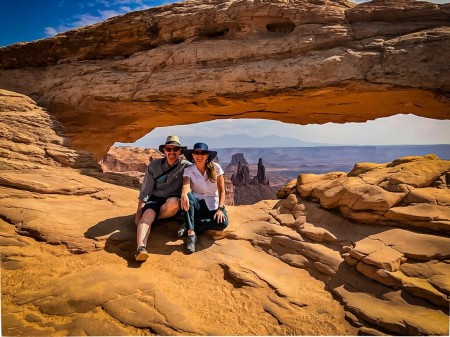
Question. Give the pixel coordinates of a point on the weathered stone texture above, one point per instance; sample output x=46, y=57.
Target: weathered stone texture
x=368, y=192
x=297, y=245
x=297, y=62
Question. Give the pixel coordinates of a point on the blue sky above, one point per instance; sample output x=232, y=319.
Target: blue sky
x=28, y=20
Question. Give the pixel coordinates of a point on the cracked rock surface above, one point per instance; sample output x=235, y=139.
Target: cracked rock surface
x=286, y=267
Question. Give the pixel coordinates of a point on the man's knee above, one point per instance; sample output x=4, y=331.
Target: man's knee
x=170, y=207
x=149, y=216
x=173, y=204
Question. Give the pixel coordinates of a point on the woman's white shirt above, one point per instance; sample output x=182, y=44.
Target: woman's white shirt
x=202, y=187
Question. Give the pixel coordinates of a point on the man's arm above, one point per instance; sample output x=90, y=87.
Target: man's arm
x=148, y=184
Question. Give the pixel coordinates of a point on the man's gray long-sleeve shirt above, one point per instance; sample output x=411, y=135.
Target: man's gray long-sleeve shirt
x=168, y=185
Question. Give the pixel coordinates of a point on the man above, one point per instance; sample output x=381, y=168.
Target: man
x=160, y=192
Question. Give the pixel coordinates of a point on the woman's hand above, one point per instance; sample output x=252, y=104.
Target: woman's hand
x=184, y=202
x=219, y=216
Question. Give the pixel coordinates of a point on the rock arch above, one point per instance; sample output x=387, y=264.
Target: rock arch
x=298, y=62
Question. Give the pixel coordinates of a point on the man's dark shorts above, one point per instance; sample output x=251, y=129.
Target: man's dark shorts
x=155, y=204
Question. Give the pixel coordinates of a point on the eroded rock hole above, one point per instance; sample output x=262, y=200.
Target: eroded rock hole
x=177, y=40
x=218, y=33
x=281, y=27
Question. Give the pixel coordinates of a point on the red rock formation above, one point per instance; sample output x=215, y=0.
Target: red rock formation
x=130, y=161
x=242, y=175
x=385, y=278
x=248, y=190
x=294, y=61
x=260, y=177
x=411, y=192
x=229, y=191
x=125, y=159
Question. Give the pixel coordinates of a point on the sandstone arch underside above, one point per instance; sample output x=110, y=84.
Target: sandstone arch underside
x=293, y=61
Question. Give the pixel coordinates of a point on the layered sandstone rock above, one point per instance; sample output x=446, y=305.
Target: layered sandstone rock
x=409, y=268
x=295, y=61
x=31, y=138
x=82, y=279
x=128, y=159
x=298, y=62
x=269, y=274
x=130, y=162
x=411, y=192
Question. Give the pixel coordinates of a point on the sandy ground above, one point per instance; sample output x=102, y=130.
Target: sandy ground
x=48, y=291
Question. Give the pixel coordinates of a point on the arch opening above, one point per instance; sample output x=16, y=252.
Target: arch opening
x=286, y=150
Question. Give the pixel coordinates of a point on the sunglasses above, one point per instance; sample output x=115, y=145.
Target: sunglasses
x=201, y=153
x=172, y=149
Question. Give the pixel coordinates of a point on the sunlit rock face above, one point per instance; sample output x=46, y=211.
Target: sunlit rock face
x=298, y=62
x=282, y=267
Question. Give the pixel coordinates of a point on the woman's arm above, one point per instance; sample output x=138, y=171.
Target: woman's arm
x=184, y=192
x=221, y=189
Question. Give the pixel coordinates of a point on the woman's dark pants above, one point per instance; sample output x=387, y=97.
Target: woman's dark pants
x=199, y=218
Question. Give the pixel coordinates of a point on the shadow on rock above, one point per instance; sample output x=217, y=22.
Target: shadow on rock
x=118, y=235
x=113, y=178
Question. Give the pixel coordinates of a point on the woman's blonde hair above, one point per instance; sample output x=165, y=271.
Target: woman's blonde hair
x=211, y=171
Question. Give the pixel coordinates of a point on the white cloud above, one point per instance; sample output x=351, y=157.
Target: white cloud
x=50, y=31
x=86, y=19
x=126, y=2
x=105, y=9
x=109, y=13
x=105, y=3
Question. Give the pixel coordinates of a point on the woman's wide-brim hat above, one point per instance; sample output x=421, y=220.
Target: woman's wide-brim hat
x=200, y=146
x=172, y=140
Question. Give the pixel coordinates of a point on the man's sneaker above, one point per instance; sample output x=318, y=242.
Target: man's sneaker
x=141, y=254
x=182, y=230
x=190, y=243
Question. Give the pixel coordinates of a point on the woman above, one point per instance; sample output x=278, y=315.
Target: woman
x=202, y=195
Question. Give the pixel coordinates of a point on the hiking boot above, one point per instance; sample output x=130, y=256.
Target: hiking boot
x=141, y=254
x=190, y=243
x=182, y=230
